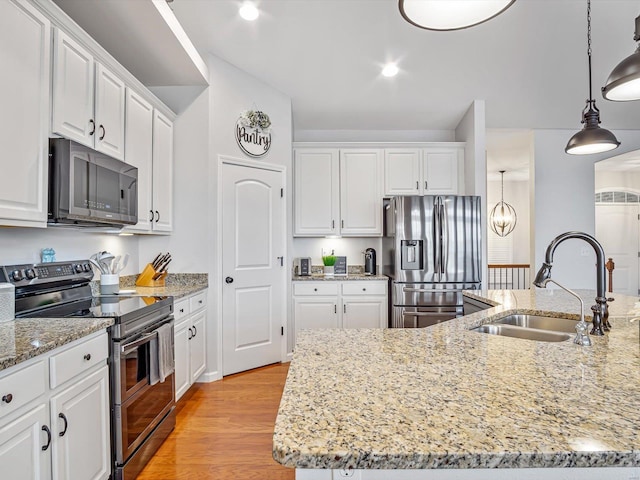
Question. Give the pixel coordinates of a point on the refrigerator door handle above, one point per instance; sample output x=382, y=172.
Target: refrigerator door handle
x=431, y=290
x=436, y=237
x=443, y=238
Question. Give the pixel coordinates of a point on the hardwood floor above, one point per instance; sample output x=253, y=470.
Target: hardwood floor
x=224, y=430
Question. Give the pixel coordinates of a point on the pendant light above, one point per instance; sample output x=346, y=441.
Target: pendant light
x=624, y=82
x=592, y=138
x=502, y=218
x=445, y=15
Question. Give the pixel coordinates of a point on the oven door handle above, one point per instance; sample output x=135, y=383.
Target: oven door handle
x=127, y=347
x=426, y=314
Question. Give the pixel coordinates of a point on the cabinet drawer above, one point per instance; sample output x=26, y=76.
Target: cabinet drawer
x=181, y=309
x=364, y=288
x=19, y=388
x=77, y=359
x=315, y=288
x=198, y=301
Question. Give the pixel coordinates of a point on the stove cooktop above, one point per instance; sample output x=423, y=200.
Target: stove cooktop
x=115, y=306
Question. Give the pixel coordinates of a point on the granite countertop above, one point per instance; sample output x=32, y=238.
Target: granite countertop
x=340, y=278
x=25, y=338
x=446, y=397
x=177, y=285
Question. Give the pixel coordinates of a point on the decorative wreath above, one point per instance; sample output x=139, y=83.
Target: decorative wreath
x=255, y=118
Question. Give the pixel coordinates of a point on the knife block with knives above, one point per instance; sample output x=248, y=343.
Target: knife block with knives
x=155, y=273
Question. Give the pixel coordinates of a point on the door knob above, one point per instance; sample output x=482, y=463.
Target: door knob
x=228, y=280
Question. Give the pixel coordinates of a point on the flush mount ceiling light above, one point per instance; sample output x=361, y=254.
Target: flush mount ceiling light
x=502, y=218
x=445, y=15
x=249, y=11
x=390, y=70
x=623, y=83
x=592, y=138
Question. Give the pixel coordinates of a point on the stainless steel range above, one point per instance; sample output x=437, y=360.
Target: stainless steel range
x=141, y=377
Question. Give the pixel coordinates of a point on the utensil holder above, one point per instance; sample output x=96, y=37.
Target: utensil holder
x=145, y=279
x=7, y=302
x=109, y=283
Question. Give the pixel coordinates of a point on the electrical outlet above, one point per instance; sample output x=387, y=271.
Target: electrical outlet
x=584, y=251
x=346, y=473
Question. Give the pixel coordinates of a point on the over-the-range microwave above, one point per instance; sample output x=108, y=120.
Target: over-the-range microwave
x=89, y=188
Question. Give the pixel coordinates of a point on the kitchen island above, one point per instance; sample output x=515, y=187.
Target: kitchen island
x=416, y=403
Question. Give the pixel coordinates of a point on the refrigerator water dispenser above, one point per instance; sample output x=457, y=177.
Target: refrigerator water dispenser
x=412, y=258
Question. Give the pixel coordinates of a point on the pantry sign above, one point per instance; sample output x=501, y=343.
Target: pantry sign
x=253, y=133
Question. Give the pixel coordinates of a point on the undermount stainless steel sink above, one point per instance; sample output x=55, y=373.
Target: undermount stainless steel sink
x=522, y=332
x=541, y=323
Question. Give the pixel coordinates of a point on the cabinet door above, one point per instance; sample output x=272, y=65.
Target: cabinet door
x=311, y=312
x=21, y=442
x=24, y=123
x=80, y=428
x=402, y=172
x=197, y=345
x=361, y=192
x=73, y=91
x=181, y=352
x=138, y=151
x=316, y=192
x=364, y=312
x=162, y=173
x=440, y=168
x=109, y=113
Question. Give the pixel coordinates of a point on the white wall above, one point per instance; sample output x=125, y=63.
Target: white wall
x=18, y=245
x=233, y=91
x=622, y=181
x=516, y=193
x=352, y=248
x=471, y=130
x=374, y=136
x=563, y=200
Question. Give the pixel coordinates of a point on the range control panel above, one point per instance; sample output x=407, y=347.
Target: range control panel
x=43, y=273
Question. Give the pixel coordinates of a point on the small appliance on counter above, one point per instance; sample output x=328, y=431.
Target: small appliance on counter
x=302, y=266
x=369, y=261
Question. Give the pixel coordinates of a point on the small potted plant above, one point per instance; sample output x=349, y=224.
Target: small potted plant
x=329, y=261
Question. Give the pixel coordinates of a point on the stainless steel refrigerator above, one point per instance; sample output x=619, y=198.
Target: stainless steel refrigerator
x=431, y=251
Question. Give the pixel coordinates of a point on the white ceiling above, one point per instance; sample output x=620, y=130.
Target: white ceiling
x=528, y=64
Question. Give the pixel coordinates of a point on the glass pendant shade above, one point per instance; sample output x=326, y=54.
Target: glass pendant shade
x=623, y=83
x=502, y=218
x=451, y=15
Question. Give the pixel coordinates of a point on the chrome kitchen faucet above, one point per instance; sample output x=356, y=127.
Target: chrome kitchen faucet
x=600, y=309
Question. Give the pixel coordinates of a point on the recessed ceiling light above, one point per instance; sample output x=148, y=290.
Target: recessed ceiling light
x=249, y=11
x=390, y=70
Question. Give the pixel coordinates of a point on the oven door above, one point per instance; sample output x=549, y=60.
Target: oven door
x=139, y=406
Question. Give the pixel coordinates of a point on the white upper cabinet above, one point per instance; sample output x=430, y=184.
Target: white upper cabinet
x=24, y=99
x=109, y=113
x=338, y=192
x=162, y=173
x=316, y=187
x=138, y=152
x=88, y=100
x=440, y=170
x=432, y=170
x=402, y=171
x=361, y=173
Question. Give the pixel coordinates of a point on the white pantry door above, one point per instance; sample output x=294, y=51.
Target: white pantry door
x=617, y=230
x=253, y=249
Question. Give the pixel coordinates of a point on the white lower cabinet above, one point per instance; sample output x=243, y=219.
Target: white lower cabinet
x=60, y=433
x=190, y=340
x=340, y=304
x=81, y=417
x=22, y=442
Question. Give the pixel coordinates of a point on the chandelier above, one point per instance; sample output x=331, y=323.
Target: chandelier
x=502, y=218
